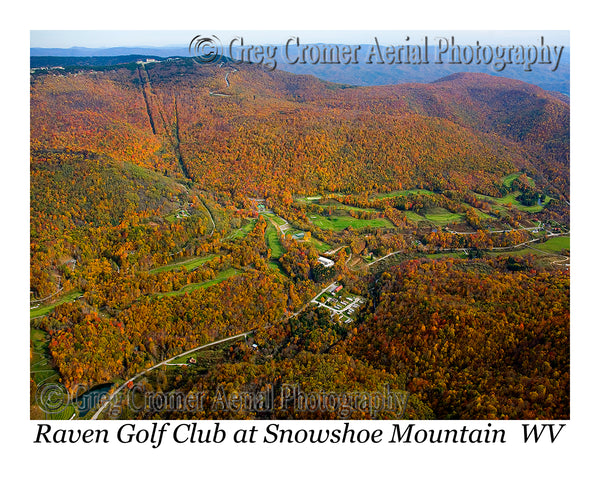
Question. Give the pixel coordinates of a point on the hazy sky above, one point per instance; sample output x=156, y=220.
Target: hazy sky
x=156, y=38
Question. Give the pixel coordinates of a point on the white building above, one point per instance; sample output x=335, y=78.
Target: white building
x=326, y=262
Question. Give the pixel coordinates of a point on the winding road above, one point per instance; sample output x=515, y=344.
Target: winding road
x=40, y=300
x=215, y=93
x=164, y=362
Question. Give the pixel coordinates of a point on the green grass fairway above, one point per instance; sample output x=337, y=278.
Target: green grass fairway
x=46, y=309
x=337, y=222
x=319, y=245
x=343, y=206
x=243, y=231
x=512, y=199
x=508, y=180
x=221, y=276
x=187, y=264
x=65, y=414
x=500, y=203
x=278, y=220
x=309, y=199
x=446, y=255
x=404, y=193
x=555, y=244
x=442, y=216
x=414, y=217
x=273, y=241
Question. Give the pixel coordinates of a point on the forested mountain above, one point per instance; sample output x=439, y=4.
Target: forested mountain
x=248, y=131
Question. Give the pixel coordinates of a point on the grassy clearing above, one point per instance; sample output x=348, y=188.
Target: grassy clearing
x=221, y=276
x=278, y=220
x=446, y=255
x=511, y=198
x=404, y=193
x=335, y=204
x=175, y=216
x=319, y=245
x=243, y=231
x=555, y=244
x=188, y=264
x=414, y=217
x=340, y=222
x=442, y=216
x=343, y=206
x=508, y=180
x=273, y=241
x=65, y=414
x=46, y=309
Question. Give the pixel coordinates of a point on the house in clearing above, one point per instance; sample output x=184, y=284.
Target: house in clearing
x=326, y=262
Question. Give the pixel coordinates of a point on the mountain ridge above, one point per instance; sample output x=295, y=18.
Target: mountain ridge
x=215, y=115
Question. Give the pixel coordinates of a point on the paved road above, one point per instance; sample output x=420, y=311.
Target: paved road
x=227, y=76
x=214, y=93
x=132, y=379
x=313, y=300
x=383, y=258
x=46, y=298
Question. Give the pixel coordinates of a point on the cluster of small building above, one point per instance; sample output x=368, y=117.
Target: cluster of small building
x=338, y=305
x=341, y=303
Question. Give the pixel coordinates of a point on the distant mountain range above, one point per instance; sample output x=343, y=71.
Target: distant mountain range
x=361, y=74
